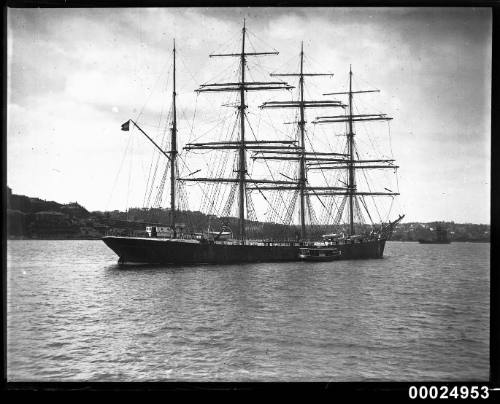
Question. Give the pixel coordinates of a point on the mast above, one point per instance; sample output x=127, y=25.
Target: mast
x=350, y=138
x=302, y=178
x=241, y=145
x=351, y=164
x=303, y=156
x=173, y=155
x=242, y=150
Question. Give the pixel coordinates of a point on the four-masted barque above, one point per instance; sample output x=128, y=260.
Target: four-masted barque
x=217, y=247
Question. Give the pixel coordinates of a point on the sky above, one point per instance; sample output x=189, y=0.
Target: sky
x=75, y=75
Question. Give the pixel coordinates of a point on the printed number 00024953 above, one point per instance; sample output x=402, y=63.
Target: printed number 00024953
x=445, y=392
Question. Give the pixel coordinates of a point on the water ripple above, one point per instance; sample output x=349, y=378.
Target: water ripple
x=421, y=313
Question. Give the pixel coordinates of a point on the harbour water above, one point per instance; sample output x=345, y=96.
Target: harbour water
x=419, y=314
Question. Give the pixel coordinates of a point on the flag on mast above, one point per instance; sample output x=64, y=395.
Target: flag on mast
x=125, y=126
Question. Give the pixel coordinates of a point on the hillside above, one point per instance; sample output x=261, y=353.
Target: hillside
x=35, y=218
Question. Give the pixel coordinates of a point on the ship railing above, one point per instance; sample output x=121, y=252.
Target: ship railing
x=267, y=243
x=349, y=240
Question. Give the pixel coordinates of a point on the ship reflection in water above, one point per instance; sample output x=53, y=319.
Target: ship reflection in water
x=421, y=313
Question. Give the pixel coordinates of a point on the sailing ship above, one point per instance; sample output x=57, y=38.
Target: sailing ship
x=219, y=246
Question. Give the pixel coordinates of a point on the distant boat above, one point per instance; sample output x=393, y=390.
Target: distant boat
x=441, y=237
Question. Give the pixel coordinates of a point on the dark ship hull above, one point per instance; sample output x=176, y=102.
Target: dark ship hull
x=181, y=251
x=434, y=241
